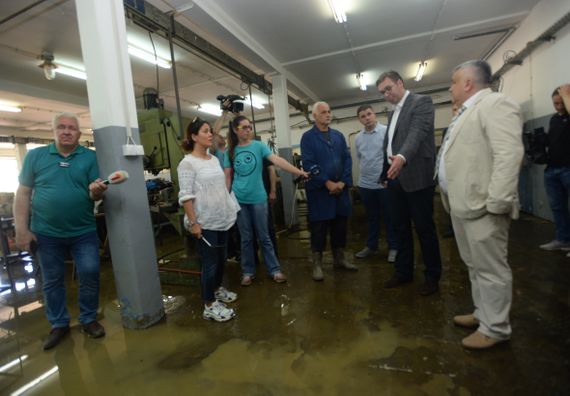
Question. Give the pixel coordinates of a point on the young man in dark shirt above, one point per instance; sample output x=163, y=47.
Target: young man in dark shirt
x=557, y=172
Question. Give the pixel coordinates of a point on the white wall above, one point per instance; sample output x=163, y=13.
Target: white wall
x=532, y=83
x=546, y=68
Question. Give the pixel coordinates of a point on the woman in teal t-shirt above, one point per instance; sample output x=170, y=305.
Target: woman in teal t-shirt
x=243, y=166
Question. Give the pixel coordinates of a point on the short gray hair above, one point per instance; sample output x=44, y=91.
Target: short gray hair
x=481, y=69
x=58, y=116
x=316, y=105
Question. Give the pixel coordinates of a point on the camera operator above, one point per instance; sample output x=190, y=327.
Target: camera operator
x=557, y=172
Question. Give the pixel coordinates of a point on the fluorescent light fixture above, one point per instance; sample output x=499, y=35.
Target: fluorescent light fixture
x=10, y=109
x=71, y=71
x=421, y=71
x=361, y=82
x=149, y=57
x=338, y=8
x=36, y=381
x=255, y=102
x=210, y=109
x=13, y=363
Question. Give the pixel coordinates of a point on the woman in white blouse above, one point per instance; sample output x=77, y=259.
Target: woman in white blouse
x=209, y=212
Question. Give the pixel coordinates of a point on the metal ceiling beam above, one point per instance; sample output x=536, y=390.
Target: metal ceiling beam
x=405, y=38
x=234, y=28
x=152, y=19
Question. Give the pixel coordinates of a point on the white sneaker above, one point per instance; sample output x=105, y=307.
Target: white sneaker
x=555, y=245
x=218, y=312
x=392, y=253
x=224, y=295
x=366, y=252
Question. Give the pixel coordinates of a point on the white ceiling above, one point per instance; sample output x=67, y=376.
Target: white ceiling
x=296, y=37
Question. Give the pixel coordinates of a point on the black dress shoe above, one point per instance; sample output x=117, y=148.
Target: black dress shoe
x=429, y=288
x=55, y=336
x=94, y=329
x=394, y=281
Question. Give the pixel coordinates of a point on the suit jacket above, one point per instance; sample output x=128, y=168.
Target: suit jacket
x=326, y=160
x=483, y=158
x=414, y=139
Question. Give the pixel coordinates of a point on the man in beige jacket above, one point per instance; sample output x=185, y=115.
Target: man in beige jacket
x=478, y=171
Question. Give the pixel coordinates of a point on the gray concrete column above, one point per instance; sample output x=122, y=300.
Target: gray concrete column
x=113, y=113
x=281, y=111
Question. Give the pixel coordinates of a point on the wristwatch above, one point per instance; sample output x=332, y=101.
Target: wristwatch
x=191, y=223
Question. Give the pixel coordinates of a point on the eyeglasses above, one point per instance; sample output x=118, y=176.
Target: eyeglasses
x=242, y=127
x=62, y=127
x=387, y=89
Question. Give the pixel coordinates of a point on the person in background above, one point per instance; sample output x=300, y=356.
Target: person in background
x=325, y=155
x=243, y=163
x=209, y=212
x=219, y=142
x=557, y=172
x=409, y=160
x=478, y=171
x=53, y=212
x=369, y=145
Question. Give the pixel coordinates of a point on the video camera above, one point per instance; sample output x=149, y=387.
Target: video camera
x=230, y=103
x=535, y=145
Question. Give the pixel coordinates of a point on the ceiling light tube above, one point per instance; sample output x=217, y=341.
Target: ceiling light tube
x=149, y=57
x=361, y=82
x=338, y=8
x=10, y=109
x=72, y=72
x=421, y=71
x=210, y=109
x=253, y=101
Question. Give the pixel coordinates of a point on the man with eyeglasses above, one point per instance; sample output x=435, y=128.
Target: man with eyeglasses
x=53, y=213
x=409, y=160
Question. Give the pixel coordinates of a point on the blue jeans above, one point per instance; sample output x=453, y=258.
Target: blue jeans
x=557, y=184
x=212, y=261
x=377, y=205
x=252, y=221
x=51, y=253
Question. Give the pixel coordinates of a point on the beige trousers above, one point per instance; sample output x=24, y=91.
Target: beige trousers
x=482, y=245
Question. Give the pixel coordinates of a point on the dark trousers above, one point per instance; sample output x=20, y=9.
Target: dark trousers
x=319, y=229
x=212, y=261
x=416, y=207
x=378, y=207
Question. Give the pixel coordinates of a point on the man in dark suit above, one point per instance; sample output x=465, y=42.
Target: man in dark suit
x=408, y=171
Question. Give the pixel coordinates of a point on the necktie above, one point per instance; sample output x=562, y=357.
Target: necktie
x=446, y=138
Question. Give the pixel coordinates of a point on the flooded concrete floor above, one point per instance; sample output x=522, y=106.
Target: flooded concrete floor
x=341, y=336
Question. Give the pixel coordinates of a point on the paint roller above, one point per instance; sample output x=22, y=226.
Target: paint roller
x=116, y=177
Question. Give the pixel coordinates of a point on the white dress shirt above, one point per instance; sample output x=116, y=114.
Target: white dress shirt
x=393, y=123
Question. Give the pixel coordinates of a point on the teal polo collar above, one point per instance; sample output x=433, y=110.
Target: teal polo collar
x=78, y=150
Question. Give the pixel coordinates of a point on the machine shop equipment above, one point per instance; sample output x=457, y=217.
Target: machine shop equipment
x=161, y=141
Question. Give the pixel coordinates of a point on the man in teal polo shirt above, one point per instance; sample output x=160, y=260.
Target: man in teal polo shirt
x=58, y=186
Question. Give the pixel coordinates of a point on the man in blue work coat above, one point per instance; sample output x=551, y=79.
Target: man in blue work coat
x=326, y=158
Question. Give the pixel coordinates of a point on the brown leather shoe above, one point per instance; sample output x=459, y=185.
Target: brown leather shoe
x=478, y=340
x=469, y=321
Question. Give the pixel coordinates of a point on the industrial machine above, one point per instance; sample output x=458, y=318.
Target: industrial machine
x=160, y=138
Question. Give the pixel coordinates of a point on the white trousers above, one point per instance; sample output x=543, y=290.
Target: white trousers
x=482, y=245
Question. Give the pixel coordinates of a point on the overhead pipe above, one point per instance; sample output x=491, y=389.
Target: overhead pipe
x=548, y=35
